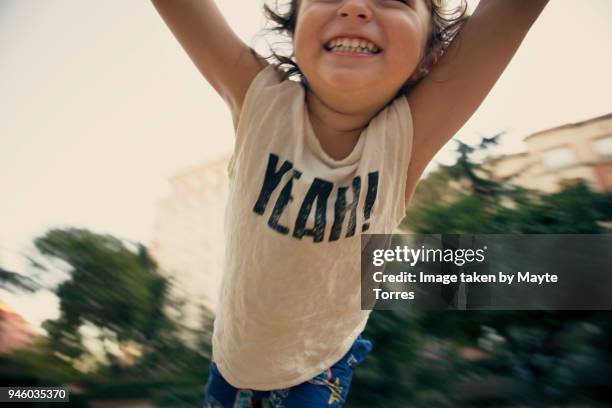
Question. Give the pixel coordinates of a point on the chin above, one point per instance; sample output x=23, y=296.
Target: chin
x=347, y=82
x=350, y=79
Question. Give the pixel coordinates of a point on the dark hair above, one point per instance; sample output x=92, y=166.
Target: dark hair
x=447, y=22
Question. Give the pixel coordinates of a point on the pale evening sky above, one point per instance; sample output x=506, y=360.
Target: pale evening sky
x=99, y=105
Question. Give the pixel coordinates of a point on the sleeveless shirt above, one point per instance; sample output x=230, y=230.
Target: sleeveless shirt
x=290, y=301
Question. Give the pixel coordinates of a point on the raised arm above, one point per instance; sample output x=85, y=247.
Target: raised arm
x=226, y=62
x=444, y=100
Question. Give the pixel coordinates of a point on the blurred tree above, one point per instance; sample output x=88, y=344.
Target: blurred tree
x=14, y=282
x=111, y=287
x=464, y=198
x=518, y=357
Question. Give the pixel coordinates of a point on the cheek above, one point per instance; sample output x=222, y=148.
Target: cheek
x=301, y=47
x=305, y=39
x=407, y=41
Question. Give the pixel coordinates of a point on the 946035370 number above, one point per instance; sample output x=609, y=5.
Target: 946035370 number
x=34, y=394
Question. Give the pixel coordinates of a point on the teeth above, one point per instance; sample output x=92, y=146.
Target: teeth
x=352, y=44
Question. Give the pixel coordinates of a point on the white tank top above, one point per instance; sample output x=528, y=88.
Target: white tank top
x=290, y=302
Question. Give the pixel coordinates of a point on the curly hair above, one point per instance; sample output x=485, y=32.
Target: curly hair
x=447, y=22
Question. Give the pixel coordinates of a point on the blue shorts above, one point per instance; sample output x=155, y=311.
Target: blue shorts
x=328, y=389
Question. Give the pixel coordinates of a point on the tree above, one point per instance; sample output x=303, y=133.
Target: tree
x=532, y=357
x=464, y=198
x=111, y=287
x=13, y=282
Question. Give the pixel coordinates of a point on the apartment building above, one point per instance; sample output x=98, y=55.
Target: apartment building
x=562, y=155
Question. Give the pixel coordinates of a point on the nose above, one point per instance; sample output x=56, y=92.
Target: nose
x=355, y=9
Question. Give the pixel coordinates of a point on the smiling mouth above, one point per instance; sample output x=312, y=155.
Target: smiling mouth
x=353, y=45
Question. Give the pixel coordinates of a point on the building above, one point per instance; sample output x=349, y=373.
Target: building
x=188, y=234
x=14, y=330
x=562, y=154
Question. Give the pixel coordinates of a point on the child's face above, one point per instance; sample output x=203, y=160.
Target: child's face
x=398, y=29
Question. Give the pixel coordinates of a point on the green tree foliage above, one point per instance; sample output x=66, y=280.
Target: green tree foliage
x=16, y=282
x=574, y=210
x=464, y=198
x=114, y=288
x=27, y=364
x=519, y=357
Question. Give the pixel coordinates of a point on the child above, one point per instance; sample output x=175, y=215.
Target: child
x=316, y=163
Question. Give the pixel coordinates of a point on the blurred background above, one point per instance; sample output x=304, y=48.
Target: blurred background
x=113, y=184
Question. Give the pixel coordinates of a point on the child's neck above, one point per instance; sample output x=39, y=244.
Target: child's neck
x=337, y=129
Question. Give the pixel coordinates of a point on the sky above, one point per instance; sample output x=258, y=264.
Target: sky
x=99, y=106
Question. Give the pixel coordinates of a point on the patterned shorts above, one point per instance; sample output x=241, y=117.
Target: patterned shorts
x=328, y=389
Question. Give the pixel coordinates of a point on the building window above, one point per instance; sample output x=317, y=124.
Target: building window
x=557, y=158
x=604, y=146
